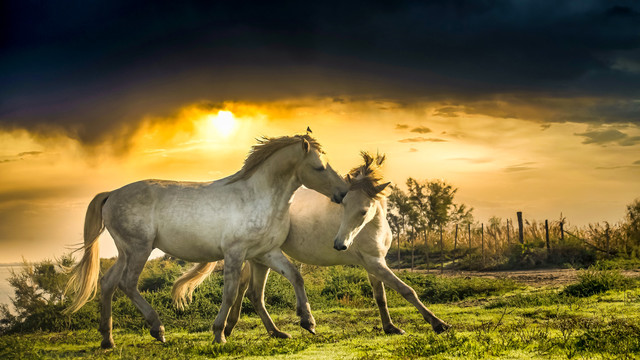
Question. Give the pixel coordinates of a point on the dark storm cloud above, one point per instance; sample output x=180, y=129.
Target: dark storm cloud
x=609, y=137
x=88, y=69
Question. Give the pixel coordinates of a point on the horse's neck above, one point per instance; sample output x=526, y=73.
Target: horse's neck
x=275, y=180
x=382, y=202
x=381, y=212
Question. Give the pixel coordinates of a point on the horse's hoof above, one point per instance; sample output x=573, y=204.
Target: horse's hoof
x=392, y=330
x=309, y=326
x=107, y=344
x=442, y=327
x=219, y=338
x=280, y=335
x=158, y=334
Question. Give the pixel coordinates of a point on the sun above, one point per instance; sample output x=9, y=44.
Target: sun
x=224, y=122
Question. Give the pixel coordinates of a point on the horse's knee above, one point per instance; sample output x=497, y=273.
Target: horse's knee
x=253, y=296
x=408, y=292
x=297, y=279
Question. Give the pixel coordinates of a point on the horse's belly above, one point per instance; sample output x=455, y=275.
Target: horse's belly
x=191, y=249
x=267, y=242
x=210, y=243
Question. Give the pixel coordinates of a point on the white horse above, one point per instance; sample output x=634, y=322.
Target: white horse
x=363, y=238
x=241, y=217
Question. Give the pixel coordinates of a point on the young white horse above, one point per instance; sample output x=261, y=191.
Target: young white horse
x=363, y=238
x=244, y=216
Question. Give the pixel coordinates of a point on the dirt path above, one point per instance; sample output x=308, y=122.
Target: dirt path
x=538, y=277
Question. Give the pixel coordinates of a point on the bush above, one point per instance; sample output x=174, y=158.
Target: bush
x=434, y=289
x=343, y=281
x=592, y=282
x=159, y=274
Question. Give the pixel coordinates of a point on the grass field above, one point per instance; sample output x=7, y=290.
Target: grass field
x=583, y=320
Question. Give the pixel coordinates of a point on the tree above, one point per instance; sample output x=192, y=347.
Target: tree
x=632, y=222
x=399, y=214
x=420, y=209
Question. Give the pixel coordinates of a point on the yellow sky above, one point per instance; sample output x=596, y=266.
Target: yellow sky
x=499, y=164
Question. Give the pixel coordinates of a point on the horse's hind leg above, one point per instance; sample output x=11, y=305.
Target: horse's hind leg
x=232, y=268
x=234, y=313
x=129, y=285
x=276, y=260
x=381, y=299
x=108, y=285
x=259, y=275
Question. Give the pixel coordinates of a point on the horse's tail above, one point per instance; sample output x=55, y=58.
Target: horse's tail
x=185, y=285
x=84, y=276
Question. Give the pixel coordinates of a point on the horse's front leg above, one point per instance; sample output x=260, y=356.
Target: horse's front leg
x=259, y=275
x=234, y=313
x=381, y=299
x=232, y=268
x=276, y=260
x=378, y=268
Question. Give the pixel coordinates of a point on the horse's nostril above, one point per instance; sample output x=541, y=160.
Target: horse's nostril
x=339, y=247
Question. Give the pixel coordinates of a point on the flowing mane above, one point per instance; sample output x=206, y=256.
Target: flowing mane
x=266, y=147
x=367, y=176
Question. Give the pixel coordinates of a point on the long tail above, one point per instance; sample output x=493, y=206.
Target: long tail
x=185, y=285
x=84, y=276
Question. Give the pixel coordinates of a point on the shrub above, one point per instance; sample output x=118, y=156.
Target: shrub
x=346, y=282
x=434, y=289
x=592, y=282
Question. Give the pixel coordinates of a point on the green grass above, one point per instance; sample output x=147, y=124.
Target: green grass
x=595, y=318
x=597, y=327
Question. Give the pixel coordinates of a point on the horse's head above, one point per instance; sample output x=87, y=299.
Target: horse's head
x=360, y=203
x=315, y=172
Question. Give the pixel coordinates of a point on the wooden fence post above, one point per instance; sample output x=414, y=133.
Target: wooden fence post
x=455, y=239
x=469, y=228
x=441, y=252
x=426, y=248
x=607, y=237
x=482, y=237
x=455, y=245
x=520, y=228
x=508, y=235
x=562, y=231
x=398, y=250
x=546, y=236
x=412, y=249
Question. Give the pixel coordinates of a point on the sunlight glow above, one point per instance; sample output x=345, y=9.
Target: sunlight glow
x=224, y=122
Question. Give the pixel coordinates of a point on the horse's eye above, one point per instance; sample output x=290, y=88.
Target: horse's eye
x=321, y=168
x=363, y=212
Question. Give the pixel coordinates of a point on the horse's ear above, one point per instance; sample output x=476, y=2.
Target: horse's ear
x=305, y=145
x=348, y=178
x=380, y=159
x=380, y=188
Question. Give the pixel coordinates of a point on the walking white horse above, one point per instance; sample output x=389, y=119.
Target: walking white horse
x=244, y=216
x=363, y=238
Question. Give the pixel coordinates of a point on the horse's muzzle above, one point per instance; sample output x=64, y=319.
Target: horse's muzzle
x=337, y=198
x=339, y=246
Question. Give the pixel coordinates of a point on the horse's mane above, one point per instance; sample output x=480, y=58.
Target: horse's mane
x=367, y=176
x=266, y=147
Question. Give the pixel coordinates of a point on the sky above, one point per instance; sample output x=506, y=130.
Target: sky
x=527, y=105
